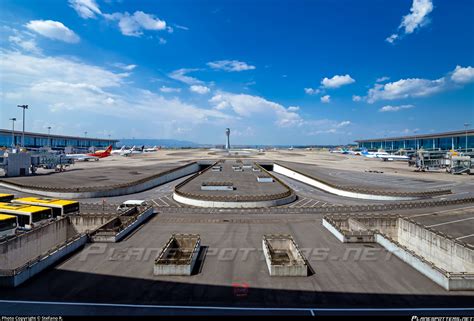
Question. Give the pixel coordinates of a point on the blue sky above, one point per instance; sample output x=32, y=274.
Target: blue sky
x=275, y=72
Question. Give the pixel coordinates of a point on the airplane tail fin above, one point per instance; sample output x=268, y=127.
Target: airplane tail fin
x=109, y=149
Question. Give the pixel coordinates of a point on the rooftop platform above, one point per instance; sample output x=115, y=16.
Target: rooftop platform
x=353, y=275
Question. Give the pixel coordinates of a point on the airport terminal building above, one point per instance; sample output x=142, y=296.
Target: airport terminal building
x=37, y=140
x=456, y=140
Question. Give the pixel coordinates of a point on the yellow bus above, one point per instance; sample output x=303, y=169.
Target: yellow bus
x=6, y=197
x=59, y=207
x=8, y=225
x=28, y=216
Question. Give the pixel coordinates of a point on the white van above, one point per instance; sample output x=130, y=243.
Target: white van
x=131, y=203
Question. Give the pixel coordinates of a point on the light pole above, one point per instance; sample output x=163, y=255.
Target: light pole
x=13, y=131
x=49, y=136
x=416, y=141
x=466, y=125
x=23, y=134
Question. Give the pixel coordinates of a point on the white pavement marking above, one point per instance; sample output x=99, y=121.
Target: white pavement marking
x=166, y=204
x=187, y=307
x=439, y=212
x=306, y=203
x=463, y=237
x=314, y=205
x=451, y=222
x=155, y=203
x=297, y=202
x=169, y=199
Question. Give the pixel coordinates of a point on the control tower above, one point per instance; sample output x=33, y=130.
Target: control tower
x=227, y=133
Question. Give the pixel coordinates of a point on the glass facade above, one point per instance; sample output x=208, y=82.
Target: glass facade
x=36, y=141
x=457, y=142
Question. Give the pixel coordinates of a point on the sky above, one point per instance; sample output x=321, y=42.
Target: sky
x=275, y=72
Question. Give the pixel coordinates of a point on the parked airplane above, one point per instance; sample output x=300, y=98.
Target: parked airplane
x=385, y=156
x=118, y=151
x=392, y=157
x=368, y=154
x=133, y=151
x=151, y=150
x=339, y=151
x=91, y=156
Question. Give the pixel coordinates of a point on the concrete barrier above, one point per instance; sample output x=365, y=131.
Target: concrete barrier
x=229, y=204
x=334, y=231
x=449, y=281
x=28, y=254
x=447, y=253
x=446, y=261
x=89, y=223
x=277, y=168
x=120, y=226
x=178, y=256
x=28, y=271
x=283, y=256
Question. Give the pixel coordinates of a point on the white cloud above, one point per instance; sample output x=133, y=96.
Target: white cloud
x=356, y=98
x=463, y=75
x=181, y=27
x=132, y=25
x=53, y=30
x=419, y=87
x=293, y=108
x=391, y=38
x=326, y=126
x=343, y=124
x=337, y=81
x=418, y=17
x=249, y=106
x=27, y=45
x=162, y=41
x=389, y=108
x=382, y=79
x=326, y=99
x=165, y=89
x=125, y=67
x=406, y=88
x=85, y=8
x=58, y=84
x=230, y=65
x=312, y=91
x=199, y=89
x=181, y=75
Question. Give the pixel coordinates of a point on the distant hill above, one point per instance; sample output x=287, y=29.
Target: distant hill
x=173, y=143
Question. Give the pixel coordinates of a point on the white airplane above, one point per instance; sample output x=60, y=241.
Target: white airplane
x=385, y=156
x=392, y=157
x=118, y=151
x=339, y=151
x=133, y=151
x=82, y=157
x=151, y=150
x=368, y=154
